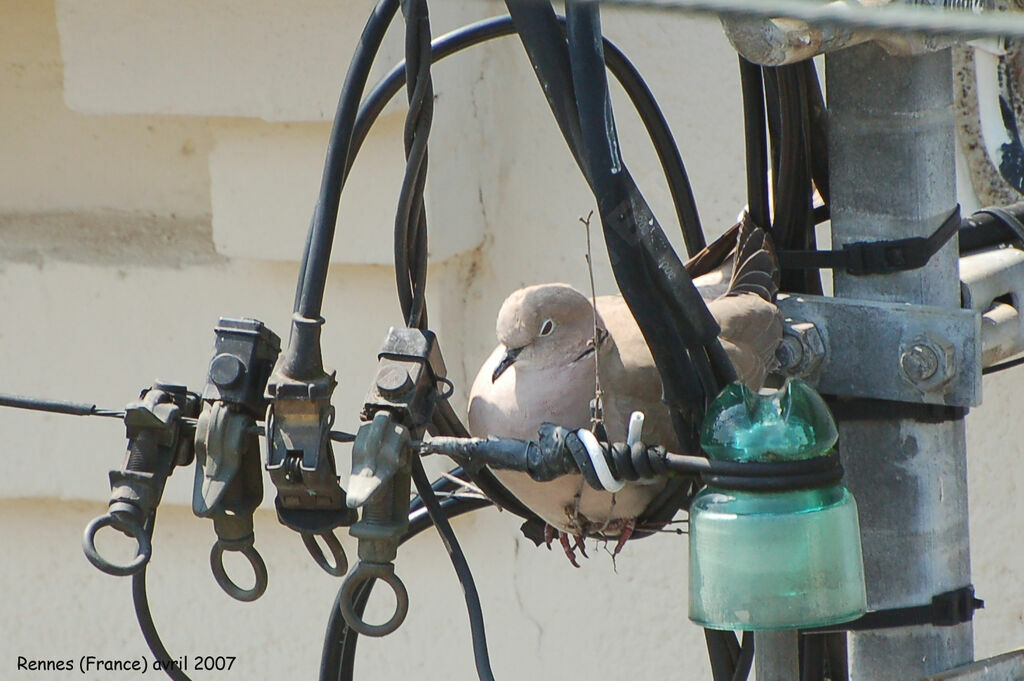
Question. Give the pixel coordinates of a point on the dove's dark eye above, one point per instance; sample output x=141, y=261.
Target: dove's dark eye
x=547, y=327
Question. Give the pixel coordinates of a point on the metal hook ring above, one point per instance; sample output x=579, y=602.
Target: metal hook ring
x=340, y=566
x=126, y=525
x=366, y=572
x=449, y=385
x=259, y=569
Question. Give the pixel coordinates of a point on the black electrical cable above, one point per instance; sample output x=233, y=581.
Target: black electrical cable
x=836, y=656
x=746, y=658
x=458, y=558
x=145, y=617
x=625, y=73
x=321, y=231
x=722, y=667
x=57, y=406
x=992, y=226
x=1002, y=366
x=793, y=221
x=411, y=273
x=756, y=142
x=410, y=219
x=817, y=116
x=812, y=658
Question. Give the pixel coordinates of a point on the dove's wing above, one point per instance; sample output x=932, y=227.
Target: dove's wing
x=629, y=377
x=751, y=329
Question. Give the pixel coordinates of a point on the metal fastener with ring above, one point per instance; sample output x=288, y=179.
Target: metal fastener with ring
x=340, y=566
x=128, y=526
x=366, y=572
x=259, y=569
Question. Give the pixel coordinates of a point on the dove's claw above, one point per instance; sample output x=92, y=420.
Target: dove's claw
x=581, y=546
x=624, y=535
x=549, y=535
x=563, y=539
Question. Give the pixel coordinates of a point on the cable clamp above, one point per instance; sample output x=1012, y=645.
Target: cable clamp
x=877, y=257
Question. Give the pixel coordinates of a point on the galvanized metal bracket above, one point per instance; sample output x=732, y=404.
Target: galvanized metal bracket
x=1004, y=667
x=883, y=350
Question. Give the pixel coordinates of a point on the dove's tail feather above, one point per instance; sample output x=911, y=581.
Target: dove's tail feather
x=714, y=254
x=755, y=266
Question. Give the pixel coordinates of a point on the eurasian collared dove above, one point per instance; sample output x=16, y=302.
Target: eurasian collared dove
x=543, y=371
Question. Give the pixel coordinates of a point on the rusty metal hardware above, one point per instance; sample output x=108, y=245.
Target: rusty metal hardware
x=380, y=483
x=300, y=460
x=410, y=366
x=397, y=408
x=243, y=357
x=154, y=427
x=228, y=489
x=366, y=571
x=228, y=486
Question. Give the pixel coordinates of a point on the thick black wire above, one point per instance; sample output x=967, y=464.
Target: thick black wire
x=317, y=257
x=618, y=64
x=746, y=658
x=812, y=658
x=1002, y=366
x=145, y=616
x=794, y=220
x=817, y=114
x=752, y=85
x=730, y=661
x=410, y=218
x=476, y=618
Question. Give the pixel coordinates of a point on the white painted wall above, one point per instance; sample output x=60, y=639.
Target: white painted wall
x=158, y=164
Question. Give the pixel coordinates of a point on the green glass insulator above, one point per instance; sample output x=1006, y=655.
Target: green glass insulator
x=773, y=560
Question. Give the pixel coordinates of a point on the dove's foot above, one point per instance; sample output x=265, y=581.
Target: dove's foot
x=563, y=539
x=627, y=532
x=549, y=535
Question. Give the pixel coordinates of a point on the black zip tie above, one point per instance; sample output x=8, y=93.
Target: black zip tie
x=868, y=409
x=876, y=257
x=947, y=609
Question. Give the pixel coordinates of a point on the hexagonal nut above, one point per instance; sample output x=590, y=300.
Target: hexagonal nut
x=927, y=362
x=801, y=350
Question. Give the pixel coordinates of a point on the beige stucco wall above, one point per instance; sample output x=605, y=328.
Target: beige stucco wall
x=158, y=164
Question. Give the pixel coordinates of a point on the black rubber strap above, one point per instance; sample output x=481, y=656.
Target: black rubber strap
x=946, y=610
x=876, y=257
x=866, y=409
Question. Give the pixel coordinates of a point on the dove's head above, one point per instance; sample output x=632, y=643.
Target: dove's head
x=546, y=325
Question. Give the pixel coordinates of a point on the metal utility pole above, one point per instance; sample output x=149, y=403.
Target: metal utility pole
x=892, y=176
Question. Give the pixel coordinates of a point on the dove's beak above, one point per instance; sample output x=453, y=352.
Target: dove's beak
x=506, y=361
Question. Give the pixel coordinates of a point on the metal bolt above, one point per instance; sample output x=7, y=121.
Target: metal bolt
x=392, y=380
x=225, y=370
x=789, y=353
x=802, y=349
x=919, y=362
x=928, y=362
